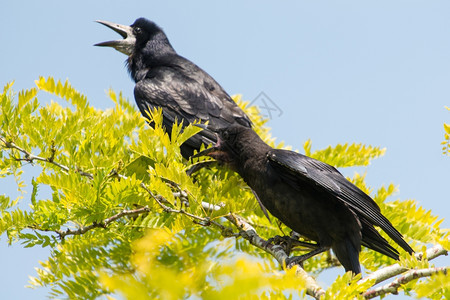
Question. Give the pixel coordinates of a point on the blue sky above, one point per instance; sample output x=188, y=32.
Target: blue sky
x=340, y=71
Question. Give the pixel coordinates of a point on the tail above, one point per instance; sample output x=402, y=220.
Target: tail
x=348, y=255
x=390, y=230
x=372, y=239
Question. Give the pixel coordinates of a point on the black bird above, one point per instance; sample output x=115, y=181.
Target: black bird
x=165, y=79
x=309, y=196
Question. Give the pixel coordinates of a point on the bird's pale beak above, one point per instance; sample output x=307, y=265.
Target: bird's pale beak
x=124, y=46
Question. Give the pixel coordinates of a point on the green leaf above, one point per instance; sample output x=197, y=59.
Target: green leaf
x=119, y=240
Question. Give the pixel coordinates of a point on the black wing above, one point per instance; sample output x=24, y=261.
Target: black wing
x=184, y=98
x=295, y=167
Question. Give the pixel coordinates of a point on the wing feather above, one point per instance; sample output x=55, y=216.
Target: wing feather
x=295, y=168
x=187, y=100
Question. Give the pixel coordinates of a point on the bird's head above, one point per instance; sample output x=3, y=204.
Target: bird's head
x=232, y=144
x=136, y=37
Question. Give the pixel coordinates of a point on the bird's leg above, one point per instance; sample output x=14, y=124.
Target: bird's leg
x=289, y=244
x=303, y=245
x=291, y=261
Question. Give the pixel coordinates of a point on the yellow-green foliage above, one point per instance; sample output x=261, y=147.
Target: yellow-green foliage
x=82, y=150
x=435, y=287
x=186, y=269
x=345, y=287
x=345, y=155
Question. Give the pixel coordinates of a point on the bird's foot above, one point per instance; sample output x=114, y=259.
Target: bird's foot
x=284, y=241
x=290, y=243
x=295, y=260
x=278, y=240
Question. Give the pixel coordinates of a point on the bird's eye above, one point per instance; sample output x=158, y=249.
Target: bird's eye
x=137, y=30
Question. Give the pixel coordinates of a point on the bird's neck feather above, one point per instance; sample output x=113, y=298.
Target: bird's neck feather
x=156, y=52
x=251, y=156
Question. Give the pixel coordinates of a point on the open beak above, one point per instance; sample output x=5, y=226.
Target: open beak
x=124, y=46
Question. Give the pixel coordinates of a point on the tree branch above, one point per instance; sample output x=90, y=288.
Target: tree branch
x=392, y=287
x=29, y=157
x=249, y=233
x=395, y=269
x=103, y=224
x=246, y=230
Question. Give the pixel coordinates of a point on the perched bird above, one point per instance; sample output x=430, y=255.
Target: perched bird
x=165, y=79
x=309, y=196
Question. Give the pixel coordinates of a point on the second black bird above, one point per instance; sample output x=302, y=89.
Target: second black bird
x=165, y=79
x=309, y=196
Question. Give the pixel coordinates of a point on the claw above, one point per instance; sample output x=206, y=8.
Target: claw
x=283, y=241
x=295, y=260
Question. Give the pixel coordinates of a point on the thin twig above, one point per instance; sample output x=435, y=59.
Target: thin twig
x=103, y=224
x=246, y=230
x=29, y=157
x=160, y=200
